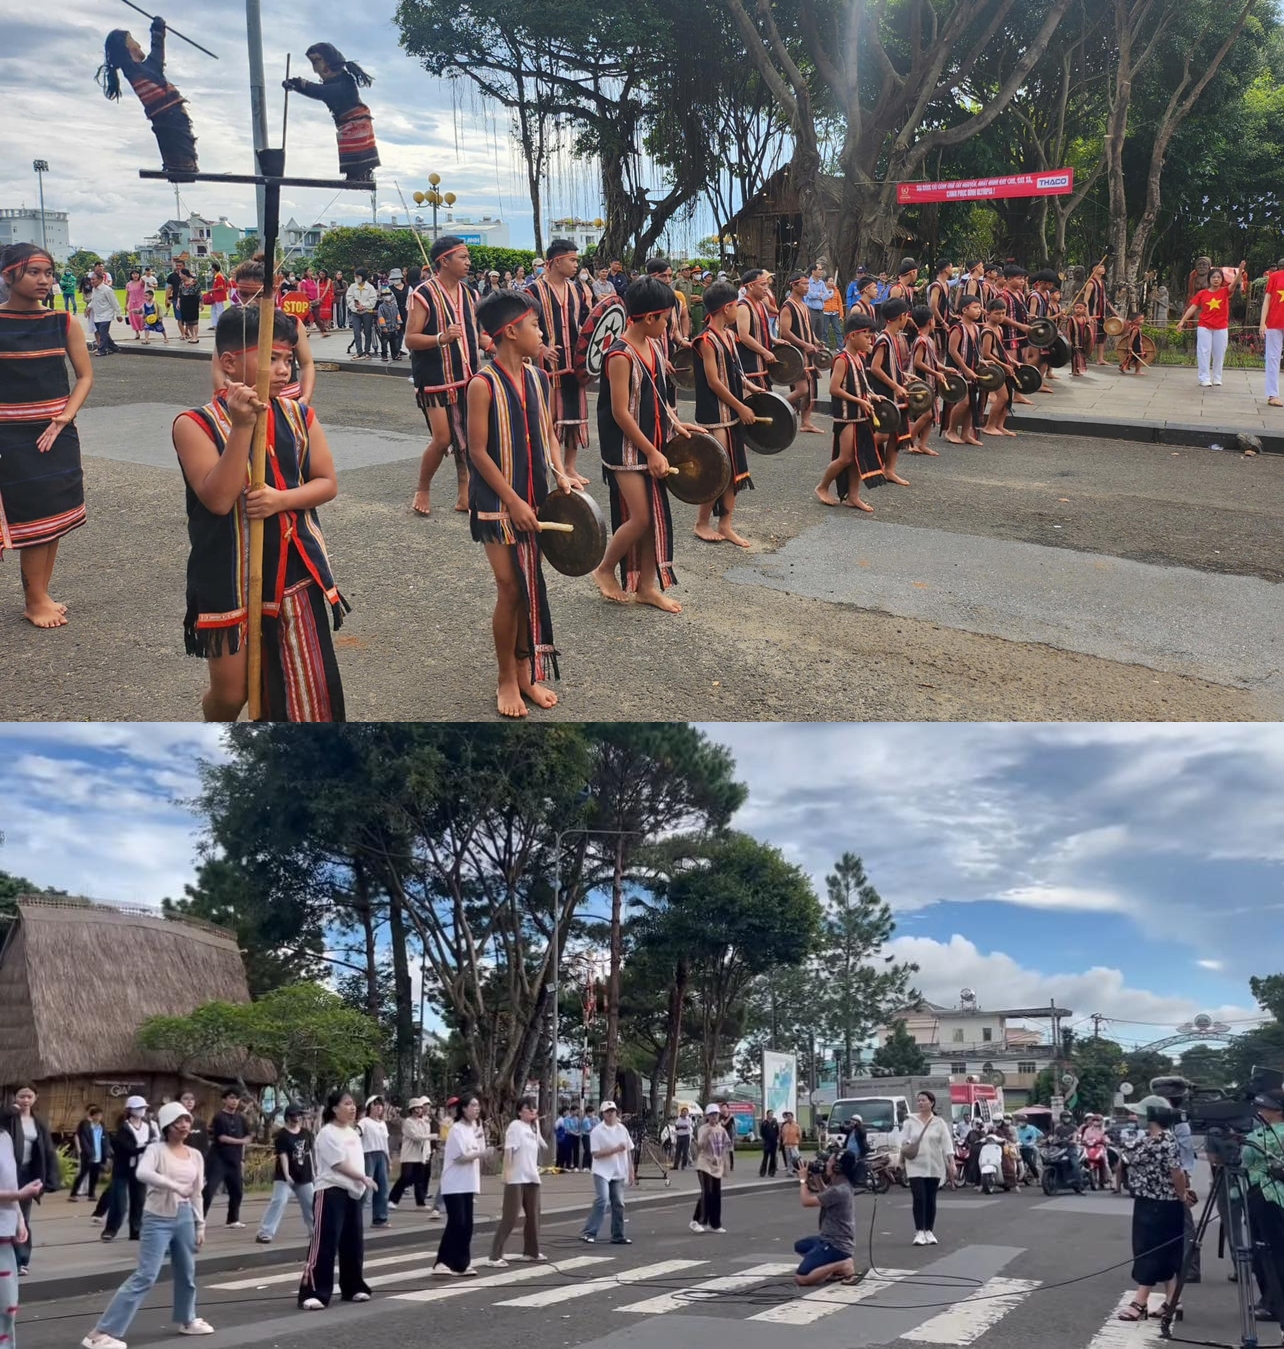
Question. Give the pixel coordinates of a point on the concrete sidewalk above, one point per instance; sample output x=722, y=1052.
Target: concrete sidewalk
x=69, y=1258
x=1164, y=405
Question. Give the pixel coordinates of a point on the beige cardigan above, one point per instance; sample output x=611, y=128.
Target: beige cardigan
x=416, y=1139
x=156, y=1171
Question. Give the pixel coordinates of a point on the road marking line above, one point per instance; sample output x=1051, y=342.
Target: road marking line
x=970, y=1319
x=1116, y=1334
x=829, y=1298
x=728, y=1283
x=237, y=1285
x=457, y=1287
x=548, y=1296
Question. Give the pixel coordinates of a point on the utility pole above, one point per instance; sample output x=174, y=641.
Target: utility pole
x=1096, y=1019
x=258, y=109
x=41, y=167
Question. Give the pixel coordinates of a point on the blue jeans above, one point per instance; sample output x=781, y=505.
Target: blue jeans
x=833, y=330
x=607, y=1193
x=177, y=1236
x=275, y=1211
x=377, y=1167
x=69, y=303
x=815, y=1253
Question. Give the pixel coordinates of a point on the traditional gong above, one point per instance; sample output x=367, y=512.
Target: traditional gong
x=955, y=390
x=573, y=552
x=1148, y=349
x=776, y=425
x=684, y=367
x=1059, y=352
x=1028, y=378
x=824, y=359
x=1113, y=326
x=605, y=322
x=703, y=468
x=789, y=366
x=887, y=417
x=990, y=376
x=920, y=397
x=1043, y=333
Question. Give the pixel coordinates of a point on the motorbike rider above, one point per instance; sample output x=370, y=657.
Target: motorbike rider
x=1092, y=1135
x=1066, y=1135
x=1028, y=1137
x=856, y=1142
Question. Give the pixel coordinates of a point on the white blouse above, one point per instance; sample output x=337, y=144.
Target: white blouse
x=461, y=1161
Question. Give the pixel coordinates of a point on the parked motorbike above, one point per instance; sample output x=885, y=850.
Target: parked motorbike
x=878, y=1173
x=1061, y=1170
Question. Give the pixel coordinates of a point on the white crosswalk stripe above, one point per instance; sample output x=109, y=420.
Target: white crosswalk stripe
x=968, y=1320
x=458, y=1287
x=728, y=1283
x=547, y=1297
x=1117, y=1334
x=830, y=1298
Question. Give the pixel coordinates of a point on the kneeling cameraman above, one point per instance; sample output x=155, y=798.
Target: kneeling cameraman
x=827, y=1185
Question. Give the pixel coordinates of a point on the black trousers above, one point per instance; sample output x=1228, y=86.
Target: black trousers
x=221, y=1172
x=768, y=1166
x=412, y=1174
x=574, y=1141
x=126, y=1195
x=682, y=1151
x=708, y=1209
x=88, y=1172
x=456, y=1248
x=923, y=1193
x=336, y=1230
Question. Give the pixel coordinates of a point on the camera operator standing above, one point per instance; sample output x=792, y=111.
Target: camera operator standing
x=1263, y=1156
x=826, y=1184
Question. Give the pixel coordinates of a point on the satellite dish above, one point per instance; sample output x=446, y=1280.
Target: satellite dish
x=1125, y=1089
x=1068, y=1079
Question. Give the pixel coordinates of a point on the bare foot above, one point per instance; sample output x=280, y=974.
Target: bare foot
x=539, y=694
x=827, y=497
x=954, y=438
x=971, y=440
x=657, y=599
x=1007, y=432
x=859, y=505
x=815, y=430
x=927, y=449
x=510, y=701
x=421, y=505
x=732, y=537
x=1021, y=398
x=892, y=477
x=45, y=613
x=708, y=533
x=609, y=584
x=991, y=431
x=461, y=505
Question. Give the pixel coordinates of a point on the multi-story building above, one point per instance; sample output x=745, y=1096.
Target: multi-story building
x=21, y=225
x=299, y=242
x=585, y=234
x=192, y=240
x=488, y=230
x=968, y=1040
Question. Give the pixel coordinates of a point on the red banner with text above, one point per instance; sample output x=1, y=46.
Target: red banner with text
x=1051, y=183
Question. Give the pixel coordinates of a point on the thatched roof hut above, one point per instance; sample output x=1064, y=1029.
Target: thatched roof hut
x=77, y=979
x=768, y=227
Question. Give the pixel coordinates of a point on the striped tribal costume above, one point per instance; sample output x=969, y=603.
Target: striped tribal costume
x=353, y=125
x=711, y=412
x=560, y=320
x=804, y=331
x=441, y=374
x=970, y=350
x=753, y=366
x=42, y=496
x=520, y=439
x=869, y=463
x=895, y=357
x=300, y=600
x=648, y=403
x=164, y=106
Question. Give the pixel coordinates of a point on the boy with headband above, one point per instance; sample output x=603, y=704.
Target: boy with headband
x=563, y=303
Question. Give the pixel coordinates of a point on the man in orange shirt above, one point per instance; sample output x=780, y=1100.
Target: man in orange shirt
x=1272, y=331
x=832, y=314
x=790, y=1141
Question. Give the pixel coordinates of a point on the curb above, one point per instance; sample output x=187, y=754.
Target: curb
x=54, y=1287
x=1146, y=433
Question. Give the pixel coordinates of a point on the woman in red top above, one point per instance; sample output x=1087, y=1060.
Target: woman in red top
x=324, y=311
x=1213, y=306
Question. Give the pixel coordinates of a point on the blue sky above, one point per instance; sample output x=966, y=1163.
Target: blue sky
x=95, y=148
x=1134, y=871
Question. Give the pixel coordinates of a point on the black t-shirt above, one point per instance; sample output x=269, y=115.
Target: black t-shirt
x=173, y=281
x=228, y=1124
x=297, y=1148
x=198, y=1137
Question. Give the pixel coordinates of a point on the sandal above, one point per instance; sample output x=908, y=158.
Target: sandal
x=1134, y=1311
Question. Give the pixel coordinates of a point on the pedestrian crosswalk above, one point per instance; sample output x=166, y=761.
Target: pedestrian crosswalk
x=761, y=1293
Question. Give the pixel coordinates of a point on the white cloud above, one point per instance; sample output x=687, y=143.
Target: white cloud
x=1210, y=964
x=1065, y=897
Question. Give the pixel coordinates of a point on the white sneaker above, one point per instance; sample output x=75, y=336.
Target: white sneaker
x=236, y=1224
x=197, y=1327
x=99, y=1340
x=920, y=1238
x=391, y=1204
x=496, y=1264
x=469, y=1273
x=444, y=1271
x=931, y=1238
x=361, y=1297
x=695, y=1226
x=1217, y=382
x=722, y=1231
x=313, y=1304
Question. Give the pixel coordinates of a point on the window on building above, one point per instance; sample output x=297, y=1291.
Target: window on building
x=987, y=1034
x=1028, y=1067
x=959, y=1068
x=958, y=1037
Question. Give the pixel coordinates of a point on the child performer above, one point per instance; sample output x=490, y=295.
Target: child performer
x=720, y=386
x=358, y=154
x=248, y=279
x=1213, y=307
x=855, y=459
x=42, y=490
x=564, y=302
x=932, y=333
x=965, y=353
x=887, y=377
x=162, y=103
x=795, y=328
x=514, y=450
x=1081, y=332
x=1132, y=353
x=993, y=351
x=633, y=423
x=753, y=329
x=300, y=600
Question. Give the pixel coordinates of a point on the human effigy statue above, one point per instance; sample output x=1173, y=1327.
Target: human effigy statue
x=163, y=104
x=340, y=79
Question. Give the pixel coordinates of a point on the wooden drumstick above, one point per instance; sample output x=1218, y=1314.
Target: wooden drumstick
x=555, y=527
x=761, y=420
x=670, y=471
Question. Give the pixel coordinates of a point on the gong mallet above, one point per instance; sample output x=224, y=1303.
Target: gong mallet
x=175, y=31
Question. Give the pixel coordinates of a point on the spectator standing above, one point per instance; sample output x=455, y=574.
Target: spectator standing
x=218, y=295
x=363, y=300
x=832, y=315
x=126, y=1193
x=682, y=1130
x=293, y=1175
x=814, y=299
x=134, y=293
x=612, y=1150
x=523, y=1145
x=602, y=286
x=587, y=1125
x=91, y=1153
x=927, y=1150
x=388, y=324
x=340, y=300
x=229, y=1137
x=102, y=308
x=727, y=1120
x=401, y=293
x=374, y=1143
x=69, y=285
x=37, y=1159
x=770, y=1134
x=618, y=277
x=790, y=1142
x=573, y=1125
x=416, y=1153
x=189, y=306
x=340, y=1187
x=562, y=1157
x=198, y=1136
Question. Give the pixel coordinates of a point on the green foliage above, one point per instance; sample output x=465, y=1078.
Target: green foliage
x=83, y=259
x=1269, y=992
x=121, y=263
x=1100, y=1066
x=11, y=889
x=349, y=247
x=1205, y=1066
x=899, y=1055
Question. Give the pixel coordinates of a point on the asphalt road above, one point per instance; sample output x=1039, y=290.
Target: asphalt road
x=1039, y=578
x=1010, y=1271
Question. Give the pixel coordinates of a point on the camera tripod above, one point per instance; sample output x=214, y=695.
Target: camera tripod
x=1229, y=1198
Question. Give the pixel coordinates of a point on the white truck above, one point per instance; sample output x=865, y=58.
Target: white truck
x=882, y=1103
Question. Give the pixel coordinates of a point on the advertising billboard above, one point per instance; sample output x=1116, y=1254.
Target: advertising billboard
x=1049, y=183
x=779, y=1082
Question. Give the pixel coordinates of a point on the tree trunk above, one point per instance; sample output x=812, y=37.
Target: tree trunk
x=404, y=1070
x=531, y=125
x=677, y=999
x=611, y=1065
x=365, y=908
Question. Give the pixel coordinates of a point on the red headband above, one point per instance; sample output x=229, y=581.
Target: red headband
x=284, y=348
x=654, y=314
x=446, y=252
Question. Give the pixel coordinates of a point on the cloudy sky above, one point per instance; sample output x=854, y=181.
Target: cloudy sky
x=95, y=148
x=1132, y=871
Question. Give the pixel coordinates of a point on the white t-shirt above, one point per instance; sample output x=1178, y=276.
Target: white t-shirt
x=522, y=1147
x=374, y=1135
x=935, y=1146
x=603, y=1138
x=461, y=1159
x=336, y=1143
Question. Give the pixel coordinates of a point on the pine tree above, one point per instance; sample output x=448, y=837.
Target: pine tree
x=899, y=1055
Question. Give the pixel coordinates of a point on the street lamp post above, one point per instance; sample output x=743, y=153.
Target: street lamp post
x=435, y=198
x=41, y=167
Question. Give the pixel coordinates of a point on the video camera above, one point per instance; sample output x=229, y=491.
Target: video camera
x=1223, y=1116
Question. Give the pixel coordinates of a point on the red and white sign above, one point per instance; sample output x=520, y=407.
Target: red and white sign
x=1052, y=183
x=297, y=305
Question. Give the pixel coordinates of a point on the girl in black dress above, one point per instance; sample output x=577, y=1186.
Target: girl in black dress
x=162, y=103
